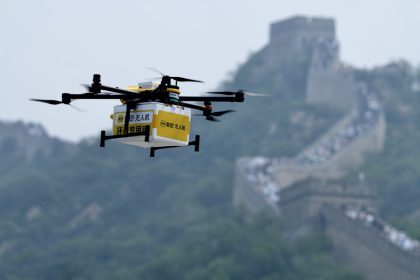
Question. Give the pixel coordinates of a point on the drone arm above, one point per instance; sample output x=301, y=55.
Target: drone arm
x=67, y=97
x=193, y=106
x=118, y=90
x=236, y=98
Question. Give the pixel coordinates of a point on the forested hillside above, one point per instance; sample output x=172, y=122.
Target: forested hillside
x=81, y=212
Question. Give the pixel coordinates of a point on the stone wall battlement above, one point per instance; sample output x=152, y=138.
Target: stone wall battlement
x=311, y=188
x=302, y=191
x=380, y=257
x=296, y=33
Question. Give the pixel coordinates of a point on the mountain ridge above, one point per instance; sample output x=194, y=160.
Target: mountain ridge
x=79, y=211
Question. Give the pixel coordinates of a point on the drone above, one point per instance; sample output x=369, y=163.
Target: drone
x=151, y=114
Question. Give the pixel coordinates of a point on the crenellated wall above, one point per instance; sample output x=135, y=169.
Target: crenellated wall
x=249, y=198
x=296, y=34
x=368, y=250
x=316, y=205
x=342, y=162
x=301, y=191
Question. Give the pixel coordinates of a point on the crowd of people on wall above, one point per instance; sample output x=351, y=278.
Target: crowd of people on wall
x=396, y=237
x=258, y=169
x=366, y=119
x=327, y=49
x=258, y=172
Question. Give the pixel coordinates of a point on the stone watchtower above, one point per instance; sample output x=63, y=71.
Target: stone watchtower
x=297, y=34
x=329, y=82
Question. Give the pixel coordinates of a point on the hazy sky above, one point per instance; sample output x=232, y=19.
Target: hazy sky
x=49, y=46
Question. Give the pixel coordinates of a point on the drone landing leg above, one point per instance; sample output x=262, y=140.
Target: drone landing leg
x=152, y=152
x=153, y=149
x=195, y=143
x=105, y=137
x=102, y=145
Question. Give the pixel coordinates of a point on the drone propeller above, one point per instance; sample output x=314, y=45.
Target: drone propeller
x=212, y=119
x=56, y=102
x=156, y=71
x=48, y=101
x=227, y=92
x=77, y=108
x=221, y=113
x=178, y=79
x=65, y=101
x=211, y=116
x=87, y=87
x=181, y=79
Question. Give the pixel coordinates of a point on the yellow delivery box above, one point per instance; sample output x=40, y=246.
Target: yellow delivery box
x=169, y=124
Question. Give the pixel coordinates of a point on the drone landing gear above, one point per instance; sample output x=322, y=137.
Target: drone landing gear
x=105, y=137
x=195, y=143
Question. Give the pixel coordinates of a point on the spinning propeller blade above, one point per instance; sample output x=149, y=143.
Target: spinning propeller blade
x=48, y=101
x=87, y=87
x=181, y=79
x=212, y=115
x=212, y=119
x=255, y=94
x=178, y=79
x=56, y=102
x=221, y=113
x=156, y=71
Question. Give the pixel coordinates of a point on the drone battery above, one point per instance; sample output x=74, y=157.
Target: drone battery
x=169, y=124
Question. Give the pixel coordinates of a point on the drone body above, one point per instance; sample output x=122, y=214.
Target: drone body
x=169, y=125
x=153, y=115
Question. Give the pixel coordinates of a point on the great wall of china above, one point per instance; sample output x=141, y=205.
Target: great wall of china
x=302, y=191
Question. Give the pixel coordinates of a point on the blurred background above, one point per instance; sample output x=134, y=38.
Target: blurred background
x=319, y=180
x=51, y=47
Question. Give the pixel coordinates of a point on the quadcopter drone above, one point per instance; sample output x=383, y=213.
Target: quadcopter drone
x=153, y=115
